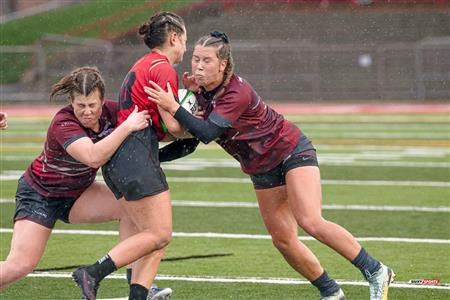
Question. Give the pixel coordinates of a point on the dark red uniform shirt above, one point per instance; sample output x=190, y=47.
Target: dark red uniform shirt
x=55, y=173
x=257, y=136
x=154, y=67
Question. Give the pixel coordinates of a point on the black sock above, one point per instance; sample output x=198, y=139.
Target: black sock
x=326, y=285
x=102, y=268
x=366, y=263
x=129, y=272
x=138, y=292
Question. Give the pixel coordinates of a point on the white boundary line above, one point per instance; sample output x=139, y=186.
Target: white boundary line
x=243, y=236
x=14, y=175
x=248, y=204
x=246, y=280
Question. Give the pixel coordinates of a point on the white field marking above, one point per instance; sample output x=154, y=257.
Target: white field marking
x=357, y=207
x=325, y=181
x=10, y=176
x=244, y=280
x=376, y=160
x=241, y=236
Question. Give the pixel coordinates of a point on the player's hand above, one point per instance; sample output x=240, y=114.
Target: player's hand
x=199, y=114
x=165, y=100
x=137, y=120
x=3, y=120
x=190, y=83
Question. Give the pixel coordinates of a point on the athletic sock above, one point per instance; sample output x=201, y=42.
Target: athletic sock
x=102, y=268
x=366, y=264
x=129, y=272
x=138, y=292
x=326, y=285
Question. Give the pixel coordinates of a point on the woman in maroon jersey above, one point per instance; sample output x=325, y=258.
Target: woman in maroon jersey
x=134, y=173
x=60, y=182
x=280, y=160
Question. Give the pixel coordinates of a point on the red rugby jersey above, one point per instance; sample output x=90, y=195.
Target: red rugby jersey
x=257, y=136
x=154, y=67
x=56, y=174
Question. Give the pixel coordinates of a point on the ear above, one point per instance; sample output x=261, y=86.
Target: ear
x=223, y=65
x=173, y=36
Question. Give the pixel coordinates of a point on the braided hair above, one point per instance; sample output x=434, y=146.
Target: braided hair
x=154, y=32
x=83, y=81
x=220, y=41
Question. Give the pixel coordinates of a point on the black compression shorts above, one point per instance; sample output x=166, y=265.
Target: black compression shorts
x=304, y=154
x=134, y=171
x=32, y=206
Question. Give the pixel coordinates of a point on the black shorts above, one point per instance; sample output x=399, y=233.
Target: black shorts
x=303, y=155
x=32, y=206
x=134, y=171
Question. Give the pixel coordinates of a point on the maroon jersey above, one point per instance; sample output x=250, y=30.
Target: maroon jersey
x=55, y=173
x=154, y=67
x=257, y=136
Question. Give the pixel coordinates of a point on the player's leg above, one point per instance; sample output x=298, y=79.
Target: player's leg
x=27, y=247
x=34, y=219
x=283, y=228
x=305, y=200
x=98, y=204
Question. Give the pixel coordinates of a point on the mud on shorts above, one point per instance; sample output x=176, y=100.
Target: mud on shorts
x=303, y=155
x=32, y=206
x=134, y=170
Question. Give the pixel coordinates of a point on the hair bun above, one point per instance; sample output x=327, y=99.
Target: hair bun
x=144, y=29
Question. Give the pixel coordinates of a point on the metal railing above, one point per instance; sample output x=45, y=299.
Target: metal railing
x=279, y=70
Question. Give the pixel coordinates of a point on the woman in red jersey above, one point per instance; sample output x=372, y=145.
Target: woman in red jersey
x=134, y=173
x=60, y=182
x=280, y=160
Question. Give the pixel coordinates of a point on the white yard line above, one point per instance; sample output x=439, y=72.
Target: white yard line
x=12, y=175
x=242, y=236
x=244, y=280
x=248, y=204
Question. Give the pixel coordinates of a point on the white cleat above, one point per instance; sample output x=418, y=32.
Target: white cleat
x=339, y=295
x=156, y=293
x=379, y=283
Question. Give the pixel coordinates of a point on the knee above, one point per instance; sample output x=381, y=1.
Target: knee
x=159, y=240
x=283, y=243
x=312, y=226
x=163, y=240
x=20, y=268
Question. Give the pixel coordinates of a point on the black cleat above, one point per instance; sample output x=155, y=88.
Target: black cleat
x=86, y=282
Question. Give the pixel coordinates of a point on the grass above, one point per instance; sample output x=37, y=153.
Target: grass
x=379, y=160
x=68, y=19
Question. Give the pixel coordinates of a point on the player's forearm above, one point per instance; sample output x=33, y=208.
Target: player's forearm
x=205, y=131
x=174, y=128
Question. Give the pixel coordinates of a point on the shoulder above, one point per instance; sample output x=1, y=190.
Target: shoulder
x=237, y=90
x=65, y=115
x=110, y=106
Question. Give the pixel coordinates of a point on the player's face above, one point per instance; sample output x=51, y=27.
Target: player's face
x=88, y=109
x=181, y=46
x=207, y=67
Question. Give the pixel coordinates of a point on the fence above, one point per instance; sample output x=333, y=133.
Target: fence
x=279, y=70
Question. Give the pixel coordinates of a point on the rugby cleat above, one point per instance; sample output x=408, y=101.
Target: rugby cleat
x=379, y=283
x=86, y=282
x=339, y=295
x=156, y=293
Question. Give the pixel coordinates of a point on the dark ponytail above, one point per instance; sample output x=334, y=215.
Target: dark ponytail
x=154, y=32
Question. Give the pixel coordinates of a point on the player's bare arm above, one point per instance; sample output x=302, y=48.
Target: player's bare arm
x=97, y=154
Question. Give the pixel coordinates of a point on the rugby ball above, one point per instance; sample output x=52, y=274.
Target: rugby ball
x=188, y=100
